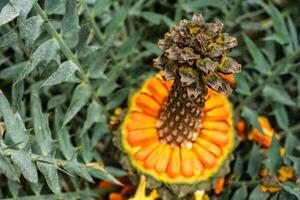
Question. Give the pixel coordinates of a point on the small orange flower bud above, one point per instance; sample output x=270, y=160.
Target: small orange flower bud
x=219, y=185
x=286, y=173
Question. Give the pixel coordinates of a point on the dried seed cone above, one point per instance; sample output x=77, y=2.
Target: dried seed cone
x=196, y=52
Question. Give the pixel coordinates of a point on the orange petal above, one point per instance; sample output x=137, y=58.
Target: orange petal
x=163, y=160
x=212, y=103
x=139, y=137
x=147, y=104
x=187, y=162
x=158, y=90
x=211, y=147
x=218, y=113
x=216, y=137
x=204, y=156
x=141, y=120
x=198, y=165
x=145, y=151
x=153, y=157
x=221, y=126
x=173, y=168
x=115, y=196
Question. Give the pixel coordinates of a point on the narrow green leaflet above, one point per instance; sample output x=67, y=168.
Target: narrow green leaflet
x=70, y=22
x=279, y=24
x=293, y=33
x=258, y=194
x=240, y=194
x=22, y=159
x=63, y=136
x=45, y=52
x=9, y=38
x=260, y=61
x=291, y=142
x=30, y=29
x=274, y=159
x=242, y=85
x=13, y=71
x=55, y=6
x=292, y=189
x=79, y=99
x=16, y=132
x=8, y=169
x=93, y=115
x=40, y=124
x=8, y=13
x=102, y=174
x=254, y=162
x=77, y=168
x=278, y=95
x=194, y=6
x=117, y=98
x=23, y=6
x=238, y=167
x=152, y=48
x=50, y=173
x=156, y=18
x=101, y=6
x=56, y=101
x=281, y=116
x=64, y=73
x=86, y=148
x=118, y=18
x=251, y=116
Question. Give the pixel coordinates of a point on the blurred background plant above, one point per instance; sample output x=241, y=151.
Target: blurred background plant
x=66, y=65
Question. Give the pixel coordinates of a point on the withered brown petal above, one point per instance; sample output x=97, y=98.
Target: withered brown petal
x=206, y=65
x=197, y=20
x=215, y=50
x=214, y=29
x=228, y=41
x=229, y=65
x=173, y=53
x=195, y=89
x=169, y=71
x=188, y=75
x=218, y=84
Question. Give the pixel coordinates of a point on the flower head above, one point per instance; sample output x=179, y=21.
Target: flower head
x=264, y=139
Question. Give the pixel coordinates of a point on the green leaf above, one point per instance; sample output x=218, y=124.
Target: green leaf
x=56, y=101
x=50, y=173
x=22, y=160
x=102, y=174
x=9, y=38
x=93, y=115
x=13, y=71
x=194, y=6
x=274, y=159
x=55, y=6
x=254, y=163
x=279, y=24
x=240, y=193
x=8, y=169
x=45, y=52
x=128, y=46
x=63, y=136
x=16, y=132
x=118, y=18
x=23, y=6
x=64, y=73
x=155, y=18
x=87, y=149
x=116, y=171
x=292, y=188
x=8, y=13
x=242, y=85
x=251, y=116
x=101, y=6
x=291, y=142
x=70, y=22
x=278, y=95
x=281, y=116
x=238, y=167
x=260, y=61
x=117, y=98
x=31, y=29
x=79, y=169
x=258, y=194
x=79, y=99
x=293, y=33
x=40, y=124
x=152, y=48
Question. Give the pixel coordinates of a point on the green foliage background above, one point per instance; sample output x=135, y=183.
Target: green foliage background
x=65, y=65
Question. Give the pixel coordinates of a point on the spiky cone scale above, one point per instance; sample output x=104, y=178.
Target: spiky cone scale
x=177, y=129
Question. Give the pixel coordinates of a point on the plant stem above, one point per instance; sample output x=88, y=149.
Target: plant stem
x=64, y=48
x=278, y=66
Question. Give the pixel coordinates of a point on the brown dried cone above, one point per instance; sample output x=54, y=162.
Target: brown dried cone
x=193, y=55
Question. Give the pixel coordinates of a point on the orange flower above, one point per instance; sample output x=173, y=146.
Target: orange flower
x=264, y=139
x=159, y=157
x=286, y=173
x=219, y=185
x=241, y=129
